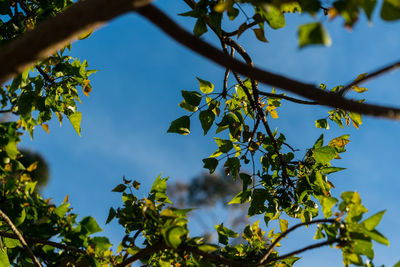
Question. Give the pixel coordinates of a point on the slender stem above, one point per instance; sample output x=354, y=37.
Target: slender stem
x=7, y=220
x=284, y=234
x=294, y=100
x=318, y=245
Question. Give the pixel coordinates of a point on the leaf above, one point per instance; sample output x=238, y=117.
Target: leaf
x=11, y=243
x=191, y=97
x=45, y=127
x=4, y=261
x=242, y=197
x=75, y=120
x=200, y=27
x=61, y=210
x=224, y=233
x=205, y=86
x=210, y=164
x=208, y=247
x=159, y=189
x=174, y=236
x=378, y=237
x=390, y=10
x=180, y=126
x=373, y=221
x=324, y=154
x=283, y=225
x=356, y=118
x=313, y=34
x=86, y=87
x=328, y=170
x=90, y=224
x=207, y=119
x=322, y=123
x=327, y=203
x=339, y=142
x=223, y=145
x=32, y=167
x=111, y=215
x=12, y=150
x=260, y=35
x=119, y=188
x=101, y=242
x=363, y=247
x=273, y=16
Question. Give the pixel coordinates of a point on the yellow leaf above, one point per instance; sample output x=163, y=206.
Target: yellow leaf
x=32, y=167
x=60, y=117
x=339, y=142
x=274, y=114
x=361, y=76
x=45, y=127
x=87, y=88
x=223, y=5
x=260, y=35
x=65, y=199
x=359, y=89
x=355, y=125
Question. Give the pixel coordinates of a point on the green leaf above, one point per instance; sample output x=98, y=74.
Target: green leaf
x=101, y=242
x=207, y=119
x=159, y=189
x=324, y=154
x=397, y=264
x=377, y=236
x=312, y=34
x=119, y=188
x=11, y=243
x=328, y=170
x=390, y=10
x=322, y=123
x=205, y=86
x=210, y=164
x=373, y=221
x=356, y=118
x=174, y=236
x=283, y=225
x=12, y=150
x=369, y=6
x=4, y=261
x=61, y=210
x=208, y=247
x=75, y=120
x=111, y=215
x=242, y=197
x=90, y=224
x=274, y=16
x=224, y=233
x=327, y=203
x=180, y=126
x=223, y=145
x=191, y=97
x=200, y=28
x=363, y=247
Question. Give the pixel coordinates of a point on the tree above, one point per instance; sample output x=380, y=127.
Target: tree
x=281, y=183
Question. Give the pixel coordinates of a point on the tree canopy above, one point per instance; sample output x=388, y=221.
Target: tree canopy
x=41, y=78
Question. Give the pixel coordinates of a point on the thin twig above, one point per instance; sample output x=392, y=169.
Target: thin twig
x=370, y=76
x=318, y=245
x=284, y=234
x=7, y=220
x=44, y=242
x=294, y=100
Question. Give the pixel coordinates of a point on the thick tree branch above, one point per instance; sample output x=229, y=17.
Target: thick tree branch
x=86, y=15
x=302, y=89
x=54, y=33
x=284, y=234
x=7, y=220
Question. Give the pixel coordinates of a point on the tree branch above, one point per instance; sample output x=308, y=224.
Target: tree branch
x=294, y=100
x=54, y=33
x=309, y=91
x=83, y=16
x=7, y=220
x=318, y=245
x=369, y=77
x=143, y=253
x=271, y=247
x=44, y=242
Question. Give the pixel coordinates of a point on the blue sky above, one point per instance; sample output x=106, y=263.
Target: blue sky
x=136, y=94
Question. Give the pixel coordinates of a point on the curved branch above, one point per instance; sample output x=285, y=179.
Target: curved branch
x=55, y=32
x=143, y=253
x=309, y=91
x=271, y=247
x=318, y=245
x=7, y=220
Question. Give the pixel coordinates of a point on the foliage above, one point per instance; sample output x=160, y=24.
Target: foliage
x=282, y=183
